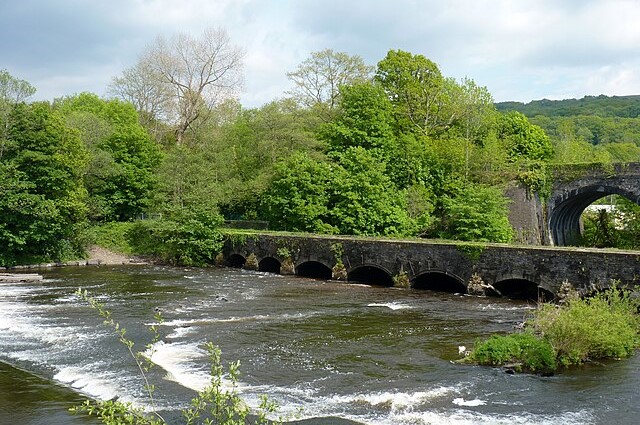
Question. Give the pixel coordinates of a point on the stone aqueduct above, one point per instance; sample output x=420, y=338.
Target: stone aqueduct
x=576, y=190
x=556, y=220
x=525, y=271
x=515, y=272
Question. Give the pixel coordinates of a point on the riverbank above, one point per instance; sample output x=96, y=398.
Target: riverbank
x=104, y=256
x=96, y=256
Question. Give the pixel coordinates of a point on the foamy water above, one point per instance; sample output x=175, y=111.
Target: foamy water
x=392, y=305
x=179, y=360
x=312, y=346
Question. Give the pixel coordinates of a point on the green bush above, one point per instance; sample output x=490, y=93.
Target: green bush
x=112, y=236
x=526, y=350
x=604, y=326
x=478, y=213
x=189, y=238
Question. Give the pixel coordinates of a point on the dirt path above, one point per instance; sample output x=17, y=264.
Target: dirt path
x=104, y=256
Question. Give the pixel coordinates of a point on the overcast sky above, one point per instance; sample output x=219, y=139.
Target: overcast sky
x=519, y=49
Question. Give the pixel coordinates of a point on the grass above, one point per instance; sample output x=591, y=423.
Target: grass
x=112, y=236
x=605, y=326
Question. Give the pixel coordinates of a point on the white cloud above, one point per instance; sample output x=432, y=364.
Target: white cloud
x=520, y=50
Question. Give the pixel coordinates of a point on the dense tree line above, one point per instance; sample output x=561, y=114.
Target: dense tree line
x=393, y=149
x=601, y=106
x=591, y=129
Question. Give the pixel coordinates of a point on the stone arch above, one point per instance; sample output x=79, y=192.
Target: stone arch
x=371, y=274
x=523, y=289
x=567, y=207
x=235, y=260
x=441, y=281
x=270, y=265
x=314, y=270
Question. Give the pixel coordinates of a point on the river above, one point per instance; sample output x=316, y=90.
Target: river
x=335, y=353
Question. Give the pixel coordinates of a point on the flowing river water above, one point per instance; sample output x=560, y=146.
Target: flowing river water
x=335, y=353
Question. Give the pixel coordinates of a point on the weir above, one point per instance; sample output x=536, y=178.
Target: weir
x=527, y=272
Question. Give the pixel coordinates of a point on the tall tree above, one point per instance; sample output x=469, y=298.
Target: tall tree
x=41, y=191
x=12, y=90
x=121, y=175
x=198, y=72
x=365, y=119
x=417, y=89
x=523, y=140
x=319, y=77
x=477, y=213
x=143, y=87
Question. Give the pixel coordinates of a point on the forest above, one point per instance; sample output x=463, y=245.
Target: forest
x=393, y=149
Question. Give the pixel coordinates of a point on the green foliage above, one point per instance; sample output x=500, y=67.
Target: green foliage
x=365, y=120
x=599, y=230
x=606, y=325
x=12, y=91
x=592, y=129
x=41, y=195
x=351, y=196
x=618, y=228
x=112, y=236
x=603, y=106
x=478, y=213
x=186, y=228
x=338, y=252
x=298, y=197
x=415, y=86
x=535, y=176
x=124, y=158
x=525, y=351
x=472, y=251
x=216, y=404
x=184, y=236
x=420, y=208
x=283, y=252
x=523, y=140
x=401, y=280
x=363, y=200
x=244, y=151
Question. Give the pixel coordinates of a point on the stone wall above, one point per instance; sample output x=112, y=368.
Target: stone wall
x=526, y=215
x=495, y=264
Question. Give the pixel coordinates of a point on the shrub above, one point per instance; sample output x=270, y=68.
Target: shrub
x=604, y=326
x=189, y=238
x=526, y=350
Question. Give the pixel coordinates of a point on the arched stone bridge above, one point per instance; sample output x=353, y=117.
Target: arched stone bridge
x=557, y=221
x=516, y=272
x=575, y=188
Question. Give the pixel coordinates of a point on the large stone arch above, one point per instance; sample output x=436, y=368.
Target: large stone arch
x=371, y=274
x=270, y=265
x=565, y=209
x=439, y=280
x=523, y=288
x=314, y=270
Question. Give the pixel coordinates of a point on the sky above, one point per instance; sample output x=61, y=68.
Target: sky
x=521, y=50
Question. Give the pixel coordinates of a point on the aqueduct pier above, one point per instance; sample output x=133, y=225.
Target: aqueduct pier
x=513, y=271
